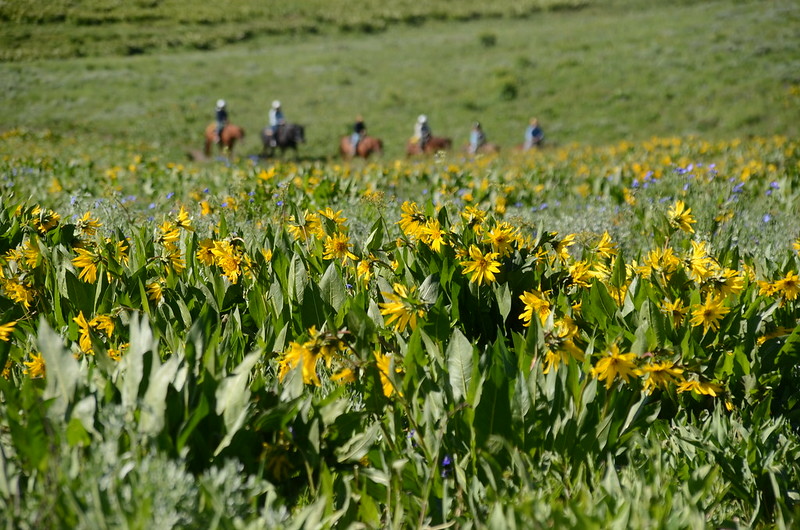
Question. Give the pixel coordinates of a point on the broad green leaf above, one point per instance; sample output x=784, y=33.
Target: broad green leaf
x=154, y=404
x=233, y=395
x=358, y=446
x=459, y=364
x=132, y=364
x=503, y=296
x=332, y=288
x=63, y=370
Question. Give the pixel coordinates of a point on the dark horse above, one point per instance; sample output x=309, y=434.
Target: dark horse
x=289, y=135
x=367, y=146
x=230, y=134
x=434, y=145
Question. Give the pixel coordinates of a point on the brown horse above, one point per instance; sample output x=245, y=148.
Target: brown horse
x=434, y=145
x=487, y=148
x=230, y=134
x=367, y=146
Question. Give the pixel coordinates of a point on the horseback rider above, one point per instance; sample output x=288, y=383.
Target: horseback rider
x=359, y=131
x=534, y=136
x=276, y=119
x=222, y=119
x=422, y=131
x=476, y=138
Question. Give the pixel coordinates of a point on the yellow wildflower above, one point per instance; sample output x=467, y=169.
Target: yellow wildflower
x=411, y=220
x=709, y=314
x=204, y=254
x=299, y=355
x=338, y=247
x=615, y=364
x=87, y=261
x=155, y=291
x=482, y=267
x=433, y=235
x=535, y=302
x=384, y=364
x=699, y=387
x=87, y=224
x=85, y=341
x=502, y=237
x=183, y=220
x=675, y=310
x=403, y=307
x=228, y=259
x=660, y=375
x=19, y=292
x=6, y=330
x=35, y=367
x=789, y=286
x=680, y=217
x=605, y=248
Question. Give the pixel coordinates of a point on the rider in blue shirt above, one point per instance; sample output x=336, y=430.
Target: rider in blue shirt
x=359, y=131
x=534, y=136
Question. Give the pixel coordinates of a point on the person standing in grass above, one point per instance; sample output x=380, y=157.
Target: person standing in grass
x=222, y=119
x=534, y=136
x=422, y=131
x=476, y=138
x=359, y=131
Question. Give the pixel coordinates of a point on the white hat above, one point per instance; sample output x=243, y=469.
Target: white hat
x=220, y=103
x=276, y=104
x=422, y=118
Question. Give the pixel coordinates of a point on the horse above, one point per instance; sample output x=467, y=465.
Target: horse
x=488, y=148
x=230, y=134
x=367, y=146
x=289, y=135
x=434, y=145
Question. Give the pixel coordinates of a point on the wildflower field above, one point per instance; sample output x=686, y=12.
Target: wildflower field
x=593, y=337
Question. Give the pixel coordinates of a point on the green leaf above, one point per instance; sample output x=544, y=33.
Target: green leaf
x=257, y=305
x=503, y=295
x=601, y=306
x=358, y=445
x=459, y=364
x=618, y=276
x=154, y=403
x=232, y=397
x=332, y=288
x=199, y=411
x=298, y=279
x=76, y=434
x=429, y=290
x=63, y=370
x=132, y=364
x=657, y=323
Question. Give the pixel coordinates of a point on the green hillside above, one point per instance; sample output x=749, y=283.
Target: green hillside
x=604, y=73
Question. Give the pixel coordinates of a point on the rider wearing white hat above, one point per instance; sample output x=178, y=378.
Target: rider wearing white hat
x=276, y=119
x=222, y=118
x=422, y=131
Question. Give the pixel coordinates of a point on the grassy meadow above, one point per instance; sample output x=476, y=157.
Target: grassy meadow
x=602, y=333
x=716, y=69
